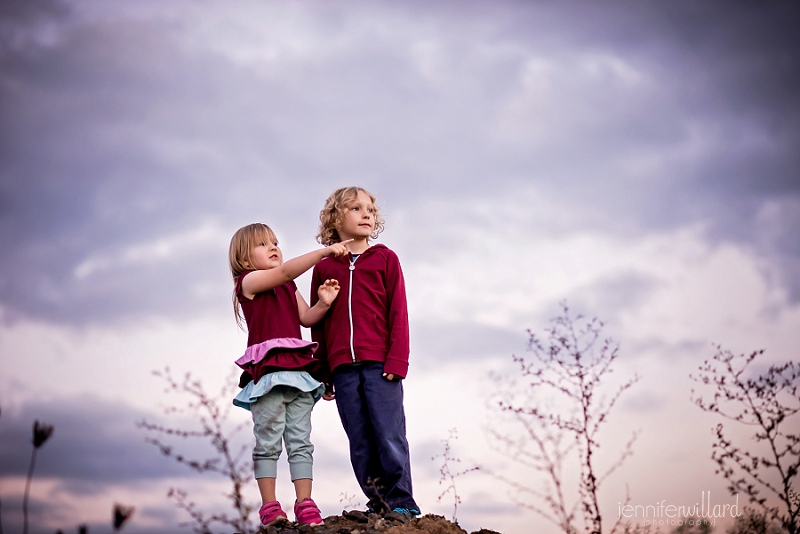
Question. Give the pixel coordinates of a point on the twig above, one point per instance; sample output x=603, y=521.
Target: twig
x=447, y=475
x=766, y=403
x=571, y=367
x=226, y=461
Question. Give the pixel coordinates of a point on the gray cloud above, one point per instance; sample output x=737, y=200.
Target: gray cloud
x=95, y=446
x=167, y=521
x=94, y=443
x=433, y=344
x=120, y=130
x=607, y=298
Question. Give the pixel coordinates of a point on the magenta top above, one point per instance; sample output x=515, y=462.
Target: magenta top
x=273, y=339
x=369, y=319
x=270, y=314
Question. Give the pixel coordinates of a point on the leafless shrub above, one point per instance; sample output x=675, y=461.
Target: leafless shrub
x=349, y=501
x=752, y=521
x=767, y=403
x=446, y=474
x=560, y=405
x=377, y=502
x=693, y=525
x=638, y=528
x=234, y=465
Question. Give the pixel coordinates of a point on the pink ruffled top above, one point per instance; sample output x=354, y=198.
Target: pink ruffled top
x=277, y=354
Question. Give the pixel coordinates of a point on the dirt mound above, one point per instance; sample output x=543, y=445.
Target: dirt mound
x=360, y=523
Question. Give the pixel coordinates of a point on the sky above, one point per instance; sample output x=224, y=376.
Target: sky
x=638, y=161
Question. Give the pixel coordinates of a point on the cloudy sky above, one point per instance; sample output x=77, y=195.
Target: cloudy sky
x=639, y=160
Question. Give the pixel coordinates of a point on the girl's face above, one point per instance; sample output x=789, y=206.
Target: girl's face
x=266, y=255
x=359, y=218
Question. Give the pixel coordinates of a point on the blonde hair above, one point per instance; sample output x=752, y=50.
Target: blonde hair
x=242, y=244
x=331, y=216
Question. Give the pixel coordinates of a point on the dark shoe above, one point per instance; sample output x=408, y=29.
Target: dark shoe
x=402, y=514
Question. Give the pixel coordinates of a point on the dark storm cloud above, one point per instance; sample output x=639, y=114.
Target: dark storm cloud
x=94, y=443
x=37, y=508
x=167, y=518
x=733, y=68
x=116, y=132
x=749, y=56
x=88, y=122
x=96, y=447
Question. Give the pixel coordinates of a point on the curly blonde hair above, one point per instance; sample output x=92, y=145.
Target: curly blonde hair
x=242, y=244
x=330, y=217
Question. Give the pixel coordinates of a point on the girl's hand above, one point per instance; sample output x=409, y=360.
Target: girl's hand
x=328, y=291
x=338, y=249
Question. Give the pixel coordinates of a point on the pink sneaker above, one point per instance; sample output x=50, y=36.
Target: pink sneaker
x=272, y=513
x=307, y=513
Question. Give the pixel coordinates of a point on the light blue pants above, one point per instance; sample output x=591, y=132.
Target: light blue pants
x=284, y=412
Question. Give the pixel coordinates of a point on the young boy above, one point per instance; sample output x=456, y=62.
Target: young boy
x=363, y=344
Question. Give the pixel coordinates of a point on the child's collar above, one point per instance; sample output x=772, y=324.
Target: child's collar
x=360, y=251
x=368, y=250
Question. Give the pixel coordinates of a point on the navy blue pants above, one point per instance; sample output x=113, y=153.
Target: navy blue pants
x=371, y=410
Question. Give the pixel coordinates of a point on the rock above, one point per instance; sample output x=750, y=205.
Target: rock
x=355, y=515
x=429, y=524
x=356, y=522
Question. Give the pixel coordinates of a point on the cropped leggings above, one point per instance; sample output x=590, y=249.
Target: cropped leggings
x=283, y=414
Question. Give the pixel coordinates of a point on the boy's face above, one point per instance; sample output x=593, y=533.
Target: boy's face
x=359, y=218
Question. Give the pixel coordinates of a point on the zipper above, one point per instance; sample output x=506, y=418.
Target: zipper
x=350, y=307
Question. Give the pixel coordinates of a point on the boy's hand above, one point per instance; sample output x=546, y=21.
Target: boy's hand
x=338, y=249
x=327, y=292
x=329, y=394
x=390, y=377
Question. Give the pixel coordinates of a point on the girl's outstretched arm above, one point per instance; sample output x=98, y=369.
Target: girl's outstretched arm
x=266, y=279
x=327, y=293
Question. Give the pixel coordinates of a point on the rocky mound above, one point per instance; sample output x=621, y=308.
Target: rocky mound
x=356, y=522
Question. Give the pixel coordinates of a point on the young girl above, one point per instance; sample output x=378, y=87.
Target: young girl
x=364, y=348
x=277, y=386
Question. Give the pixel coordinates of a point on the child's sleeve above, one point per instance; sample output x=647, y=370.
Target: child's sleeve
x=399, y=348
x=318, y=331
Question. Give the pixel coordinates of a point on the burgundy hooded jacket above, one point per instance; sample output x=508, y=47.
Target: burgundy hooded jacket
x=368, y=320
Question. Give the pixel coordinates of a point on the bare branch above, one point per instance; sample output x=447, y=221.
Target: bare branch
x=446, y=474
x=570, y=368
x=764, y=402
x=212, y=418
